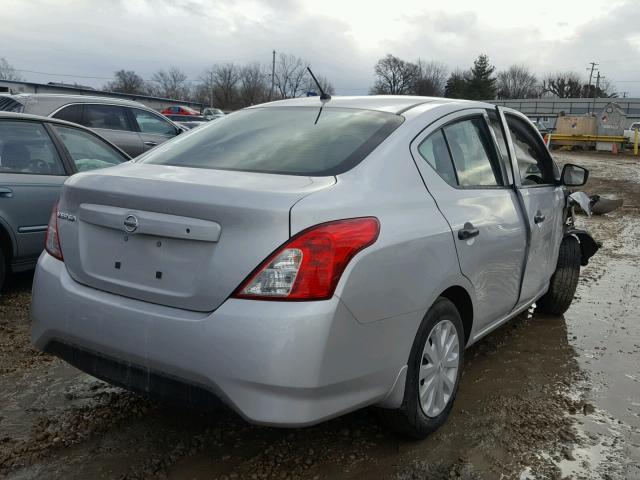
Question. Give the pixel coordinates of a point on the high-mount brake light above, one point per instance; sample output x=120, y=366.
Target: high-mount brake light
x=310, y=264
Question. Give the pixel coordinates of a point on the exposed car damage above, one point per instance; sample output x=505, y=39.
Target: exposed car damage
x=588, y=246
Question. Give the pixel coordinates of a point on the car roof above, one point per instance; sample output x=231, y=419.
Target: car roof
x=61, y=98
x=384, y=103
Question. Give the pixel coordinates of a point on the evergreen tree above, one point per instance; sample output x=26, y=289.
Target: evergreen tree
x=457, y=85
x=481, y=83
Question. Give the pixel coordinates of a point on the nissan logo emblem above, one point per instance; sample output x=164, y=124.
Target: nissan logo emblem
x=131, y=224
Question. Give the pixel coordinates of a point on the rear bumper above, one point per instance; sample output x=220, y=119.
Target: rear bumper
x=275, y=363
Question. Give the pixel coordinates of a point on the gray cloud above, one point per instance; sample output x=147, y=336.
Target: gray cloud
x=96, y=38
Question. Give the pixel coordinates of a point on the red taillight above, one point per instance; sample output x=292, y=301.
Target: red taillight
x=52, y=242
x=309, y=265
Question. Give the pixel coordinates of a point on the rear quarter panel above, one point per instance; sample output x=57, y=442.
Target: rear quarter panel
x=414, y=258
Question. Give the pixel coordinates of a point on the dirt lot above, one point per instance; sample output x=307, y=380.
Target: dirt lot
x=543, y=397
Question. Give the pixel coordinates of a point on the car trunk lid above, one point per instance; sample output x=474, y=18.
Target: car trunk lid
x=175, y=236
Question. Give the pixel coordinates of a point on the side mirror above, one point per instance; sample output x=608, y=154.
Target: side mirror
x=573, y=175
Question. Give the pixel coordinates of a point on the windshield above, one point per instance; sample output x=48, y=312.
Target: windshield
x=285, y=140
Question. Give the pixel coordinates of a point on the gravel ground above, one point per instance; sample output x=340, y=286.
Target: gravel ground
x=542, y=397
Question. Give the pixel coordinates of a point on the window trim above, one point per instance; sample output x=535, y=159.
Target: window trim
x=61, y=156
x=439, y=125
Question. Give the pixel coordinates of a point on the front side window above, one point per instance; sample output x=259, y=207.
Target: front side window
x=111, y=117
x=473, y=153
x=285, y=140
x=25, y=147
x=87, y=151
x=151, y=123
x=534, y=162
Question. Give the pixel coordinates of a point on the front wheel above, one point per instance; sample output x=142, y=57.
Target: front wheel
x=564, y=281
x=433, y=373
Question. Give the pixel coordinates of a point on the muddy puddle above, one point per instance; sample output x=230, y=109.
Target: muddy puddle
x=542, y=397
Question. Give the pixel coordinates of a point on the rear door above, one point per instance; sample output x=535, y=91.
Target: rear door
x=113, y=123
x=31, y=175
x=154, y=129
x=467, y=178
x=542, y=199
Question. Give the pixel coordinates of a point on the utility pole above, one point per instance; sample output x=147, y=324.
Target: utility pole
x=593, y=68
x=595, y=93
x=273, y=75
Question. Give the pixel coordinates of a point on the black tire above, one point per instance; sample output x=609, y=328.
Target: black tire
x=410, y=419
x=562, y=287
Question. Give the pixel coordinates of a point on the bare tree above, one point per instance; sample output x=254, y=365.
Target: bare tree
x=253, y=85
x=171, y=83
x=290, y=76
x=563, y=85
x=225, y=79
x=7, y=72
x=205, y=89
x=126, y=81
x=603, y=90
x=431, y=80
x=394, y=76
x=517, y=82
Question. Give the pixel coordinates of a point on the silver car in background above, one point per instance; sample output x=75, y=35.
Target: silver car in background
x=306, y=258
x=130, y=125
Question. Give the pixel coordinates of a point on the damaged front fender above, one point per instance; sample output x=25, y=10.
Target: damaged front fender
x=588, y=246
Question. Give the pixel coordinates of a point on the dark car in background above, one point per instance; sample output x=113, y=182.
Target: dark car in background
x=130, y=125
x=36, y=156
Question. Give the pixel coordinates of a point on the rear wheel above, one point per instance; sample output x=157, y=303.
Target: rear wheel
x=564, y=280
x=433, y=373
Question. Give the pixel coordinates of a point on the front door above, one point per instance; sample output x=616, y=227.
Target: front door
x=153, y=128
x=458, y=160
x=542, y=199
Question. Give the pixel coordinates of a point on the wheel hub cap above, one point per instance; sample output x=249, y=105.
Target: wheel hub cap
x=438, y=368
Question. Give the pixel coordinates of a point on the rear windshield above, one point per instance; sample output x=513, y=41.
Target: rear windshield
x=8, y=104
x=285, y=140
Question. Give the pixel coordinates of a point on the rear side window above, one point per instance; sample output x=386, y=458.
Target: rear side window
x=435, y=151
x=8, y=104
x=70, y=113
x=473, y=154
x=25, y=147
x=87, y=151
x=111, y=117
x=285, y=140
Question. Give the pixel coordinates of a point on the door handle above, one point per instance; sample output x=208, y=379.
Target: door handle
x=6, y=192
x=538, y=217
x=151, y=144
x=468, y=231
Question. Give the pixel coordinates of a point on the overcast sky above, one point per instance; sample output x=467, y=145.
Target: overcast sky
x=342, y=39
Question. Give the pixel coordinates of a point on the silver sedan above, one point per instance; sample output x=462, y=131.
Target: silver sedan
x=305, y=258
